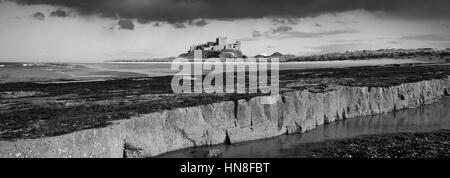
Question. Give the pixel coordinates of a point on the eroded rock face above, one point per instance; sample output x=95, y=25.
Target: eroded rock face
x=228, y=122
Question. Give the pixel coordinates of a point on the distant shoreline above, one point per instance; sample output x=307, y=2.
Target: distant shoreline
x=281, y=62
x=443, y=54
x=349, y=60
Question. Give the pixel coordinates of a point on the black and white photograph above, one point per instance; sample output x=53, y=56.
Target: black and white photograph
x=212, y=80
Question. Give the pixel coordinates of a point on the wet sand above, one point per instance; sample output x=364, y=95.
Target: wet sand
x=82, y=72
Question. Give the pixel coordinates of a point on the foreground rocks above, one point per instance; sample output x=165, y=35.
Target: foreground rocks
x=229, y=121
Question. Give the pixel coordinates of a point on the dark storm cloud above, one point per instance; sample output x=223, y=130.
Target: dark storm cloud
x=59, y=13
x=126, y=24
x=157, y=24
x=178, y=25
x=39, y=16
x=281, y=29
x=199, y=23
x=175, y=11
x=285, y=21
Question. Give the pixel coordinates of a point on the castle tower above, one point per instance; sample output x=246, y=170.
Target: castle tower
x=221, y=41
x=238, y=45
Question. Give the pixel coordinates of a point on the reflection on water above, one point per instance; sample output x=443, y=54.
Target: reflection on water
x=422, y=119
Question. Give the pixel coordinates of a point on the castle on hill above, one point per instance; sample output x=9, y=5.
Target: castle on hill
x=214, y=49
x=219, y=45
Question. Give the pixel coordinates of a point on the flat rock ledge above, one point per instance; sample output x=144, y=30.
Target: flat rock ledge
x=228, y=122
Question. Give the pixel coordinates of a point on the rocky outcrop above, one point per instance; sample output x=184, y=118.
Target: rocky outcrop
x=228, y=122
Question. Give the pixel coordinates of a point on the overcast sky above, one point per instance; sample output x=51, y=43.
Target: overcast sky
x=98, y=30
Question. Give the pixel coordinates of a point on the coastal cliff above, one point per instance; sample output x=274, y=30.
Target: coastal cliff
x=228, y=121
